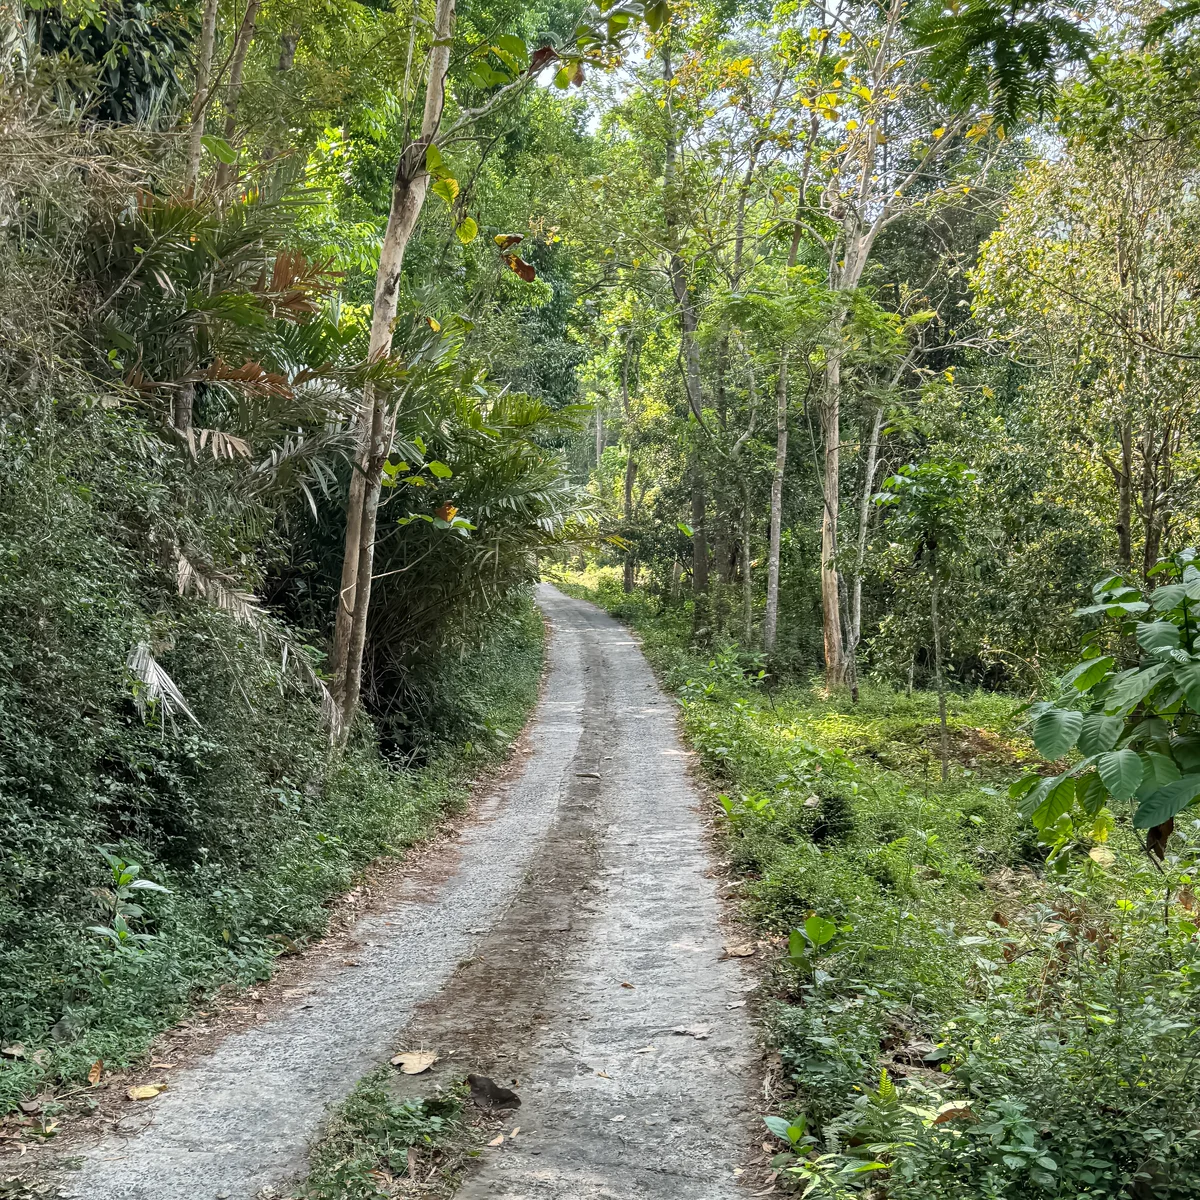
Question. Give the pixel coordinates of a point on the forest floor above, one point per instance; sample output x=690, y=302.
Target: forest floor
x=566, y=944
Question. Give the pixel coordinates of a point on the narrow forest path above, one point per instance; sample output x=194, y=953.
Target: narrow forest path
x=558, y=942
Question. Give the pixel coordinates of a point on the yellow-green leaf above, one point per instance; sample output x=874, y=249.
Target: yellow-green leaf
x=468, y=230
x=446, y=188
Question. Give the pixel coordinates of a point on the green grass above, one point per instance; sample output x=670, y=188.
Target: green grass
x=373, y=1137
x=946, y=969
x=69, y=996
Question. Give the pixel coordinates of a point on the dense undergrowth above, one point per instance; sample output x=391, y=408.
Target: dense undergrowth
x=149, y=859
x=953, y=1018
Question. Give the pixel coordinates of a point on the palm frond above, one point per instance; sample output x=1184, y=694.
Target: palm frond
x=152, y=686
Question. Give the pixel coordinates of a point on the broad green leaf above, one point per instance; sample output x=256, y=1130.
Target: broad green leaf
x=1157, y=635
x=467, y=230
x=656, y=15
x=219, y=148
x=1057, y=802
x=779, y=1127
x=1187, y=675
x=434, y=162
x=439, y=469
x=1022, y=786
x=1167, y=597
x=447, y=188
x=1133, y=688
x=797, y=946
x=1087, y=674
x=685, y=529
x=1121, y=771
x=514, y=47
x=1164, y=803
x=1186, y=751
x=1091, y=793
x=819, y=931
x=1055, y=731
x=1034, y=797
x=1158, y=770
x=1099, y=733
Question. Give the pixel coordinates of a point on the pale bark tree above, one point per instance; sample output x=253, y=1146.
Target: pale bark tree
x=233, y=89
x=376, y=425
x=891, y=145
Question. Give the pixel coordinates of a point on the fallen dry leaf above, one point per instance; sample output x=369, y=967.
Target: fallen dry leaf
x=16, y=1050
x=740, y=950
x=628, y=985
x=498, y=1140
x=737, y=1004
x=1102, y=856
x=645, y=1050
x=95, y=1072
x=619, y=1117
x=29, y=1107
x=963, y=1112
x=699, y=1032
x=161, y=1066
x=413, y=1062
x=516, y=1130
x=146, y=1091
x=604, y=1074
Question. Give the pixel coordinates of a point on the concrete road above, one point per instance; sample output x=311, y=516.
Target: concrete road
x=557, y=947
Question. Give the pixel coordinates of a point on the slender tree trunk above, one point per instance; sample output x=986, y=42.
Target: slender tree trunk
x=870, y=465
x=747, y=581
x=630, y=475
x=775, y=539
x=701, y=603
x=376, y=425
x=831, y=608
x=204, y=89
x=631, y=467
x=233, y=91
x=1125, y=497
x=599, y=434
x=184, y=400
x=939, y=673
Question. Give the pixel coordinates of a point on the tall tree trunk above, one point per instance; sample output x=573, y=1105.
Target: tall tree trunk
x=631, y=466
x=630, y=475
x=747, y=581
x=204, y=90
x=831, y=607
x=939, y=673
x=701, y=603
x=233, y=91
x=599, y=434
x=870, y=465
x=376, y=424
x=184, y=401
x=1124, y=480
x=775, y=537
x=690, y=352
